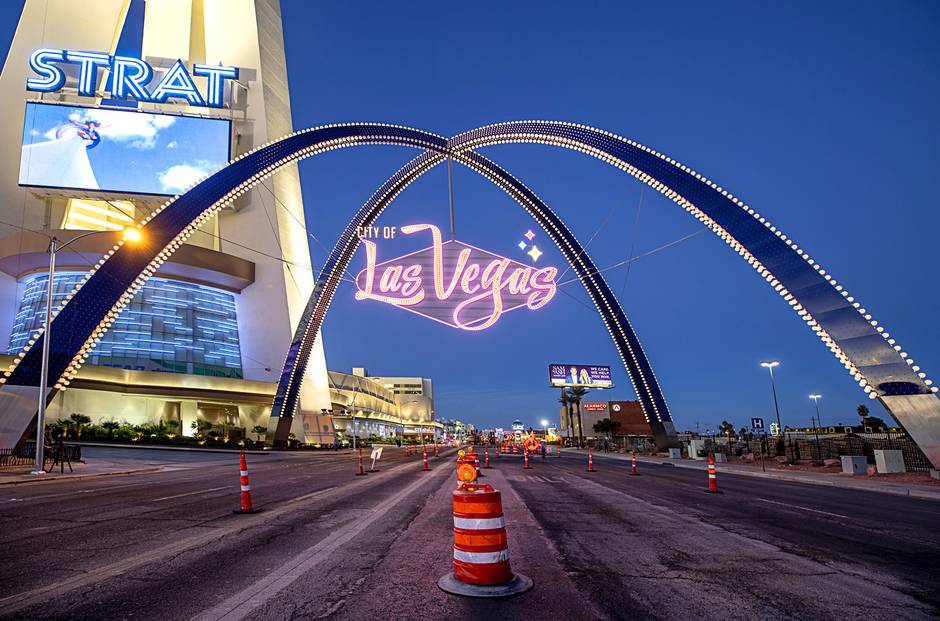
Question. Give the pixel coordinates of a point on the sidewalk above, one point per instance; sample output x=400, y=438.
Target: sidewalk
x=98, y=468
x=101, y=463
x=927, y=492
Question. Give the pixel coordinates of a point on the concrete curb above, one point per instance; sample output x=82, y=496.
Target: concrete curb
x=164, y=447
x=912, y=491
x=72, y=477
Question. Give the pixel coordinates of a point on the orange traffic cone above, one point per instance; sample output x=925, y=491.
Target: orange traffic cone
x=425, y=455
x=361, y=471
x=591, y=461
x=497, y=451
x=246, y=487
x=559, y=449
x=633, y=471
x=712, y=476
x=525, y=452
x=486, y=457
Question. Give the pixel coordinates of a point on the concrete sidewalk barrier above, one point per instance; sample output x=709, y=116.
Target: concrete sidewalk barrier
x=854, y=464
x=889, y=461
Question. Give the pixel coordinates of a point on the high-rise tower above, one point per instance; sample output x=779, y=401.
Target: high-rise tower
x=206, y=337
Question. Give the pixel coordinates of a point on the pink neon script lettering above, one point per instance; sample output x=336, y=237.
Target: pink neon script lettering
x=469, y=285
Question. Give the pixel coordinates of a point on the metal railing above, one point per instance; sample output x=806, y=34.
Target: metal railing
x=25, y=455
x=798, y=446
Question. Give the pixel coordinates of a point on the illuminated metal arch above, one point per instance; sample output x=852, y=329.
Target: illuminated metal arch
x=864, y=348
x=92, y=308
x=286, y=400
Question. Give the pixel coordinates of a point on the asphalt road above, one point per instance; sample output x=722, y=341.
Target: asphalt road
x=328, y=544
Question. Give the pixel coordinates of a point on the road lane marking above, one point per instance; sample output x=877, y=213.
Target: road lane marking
x=249, y=599
x=78, y=491
x=41, y=595
x=784, y=504
x=202, y=491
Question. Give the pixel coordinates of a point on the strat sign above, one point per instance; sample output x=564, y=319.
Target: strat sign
x=454, y=283
x=129, y=77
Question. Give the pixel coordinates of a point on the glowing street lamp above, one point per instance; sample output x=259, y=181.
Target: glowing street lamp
x=769, y=365
x=131, y=234
x=816, y=399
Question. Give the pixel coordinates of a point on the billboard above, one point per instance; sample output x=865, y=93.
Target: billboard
x=593, y=406
x=119, y=150
x=592, y=376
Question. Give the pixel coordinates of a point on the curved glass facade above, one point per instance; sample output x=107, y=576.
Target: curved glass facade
x=170, y=326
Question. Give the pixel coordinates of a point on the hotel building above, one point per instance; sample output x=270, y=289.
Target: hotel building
x=206, y=337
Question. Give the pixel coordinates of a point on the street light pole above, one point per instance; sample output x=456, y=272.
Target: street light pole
x=39, y=467
x=816, y=399
x=769, y=365
x=130, y=234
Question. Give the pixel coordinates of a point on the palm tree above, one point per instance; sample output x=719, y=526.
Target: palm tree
x=567, y=403
x=574, y=396
x=727, y=429
x=606, y=426
x=80, y=421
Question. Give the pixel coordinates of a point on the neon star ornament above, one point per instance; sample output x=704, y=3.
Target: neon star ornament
x=535, y=253
x=529, y=235
x=522, y=245
x=454, y=283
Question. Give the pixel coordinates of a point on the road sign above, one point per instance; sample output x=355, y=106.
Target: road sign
x=774, y=429
x=376, y=454
x=757, y=423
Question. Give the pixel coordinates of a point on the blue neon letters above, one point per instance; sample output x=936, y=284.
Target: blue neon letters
x=129, y=77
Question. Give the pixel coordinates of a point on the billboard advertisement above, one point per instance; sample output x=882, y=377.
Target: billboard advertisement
x=592, y=376
x=119, y=150
x=593, y=406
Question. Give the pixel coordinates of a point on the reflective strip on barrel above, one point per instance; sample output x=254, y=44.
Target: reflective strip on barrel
x=481, y=552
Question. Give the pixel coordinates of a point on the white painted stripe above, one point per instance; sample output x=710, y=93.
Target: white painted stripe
x=479, y=523
x=244, y=473
x=246, y=488
x=247, y=601
x=784, y=504
x=202, y=491
x=481, y=557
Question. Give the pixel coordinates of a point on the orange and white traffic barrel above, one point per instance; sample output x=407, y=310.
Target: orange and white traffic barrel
x=481, y=547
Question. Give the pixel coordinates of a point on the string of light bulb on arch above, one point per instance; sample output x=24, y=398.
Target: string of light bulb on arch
x=539, y=132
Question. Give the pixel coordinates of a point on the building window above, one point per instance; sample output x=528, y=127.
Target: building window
x=169, y=326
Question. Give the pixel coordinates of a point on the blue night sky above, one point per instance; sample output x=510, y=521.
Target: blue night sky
x=822, y=116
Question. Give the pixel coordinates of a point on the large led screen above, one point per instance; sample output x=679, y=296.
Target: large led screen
x=118, y=150
x=594, y=376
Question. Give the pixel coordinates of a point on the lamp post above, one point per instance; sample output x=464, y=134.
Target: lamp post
x=131, y=235
x=816, y=399
x=769, y=365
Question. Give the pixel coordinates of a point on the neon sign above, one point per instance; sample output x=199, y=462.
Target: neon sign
x=130, y=77
x=454, y=283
